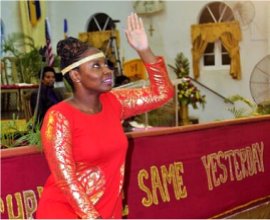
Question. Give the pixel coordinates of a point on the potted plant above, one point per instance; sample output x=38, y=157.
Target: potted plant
x=16, y=134
x=243, y=107
x=28, y=63
x=188, y=93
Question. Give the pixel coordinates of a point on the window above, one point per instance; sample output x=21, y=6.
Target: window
x=215, y=53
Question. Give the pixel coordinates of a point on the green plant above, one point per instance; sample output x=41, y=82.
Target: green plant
x=14, y=135
x=163, y=116
x=242, y=107
x=10, y=132
x=32, y=137
x=188, y=93
x=263, y=109
x=181, y=67
x=28, y=63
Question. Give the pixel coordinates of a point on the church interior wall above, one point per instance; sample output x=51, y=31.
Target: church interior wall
x=171, y=35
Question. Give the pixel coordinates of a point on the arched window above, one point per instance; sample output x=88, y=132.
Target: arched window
x=215, y=40
x=215, y=53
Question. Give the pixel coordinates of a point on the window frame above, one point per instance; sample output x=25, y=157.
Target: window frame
x=217, y=50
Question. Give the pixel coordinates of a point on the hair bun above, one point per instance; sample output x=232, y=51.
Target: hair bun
x=70, y=50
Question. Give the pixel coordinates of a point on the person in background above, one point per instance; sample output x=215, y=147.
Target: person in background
x=121, y=80
x=83, y=138
x=48, y=94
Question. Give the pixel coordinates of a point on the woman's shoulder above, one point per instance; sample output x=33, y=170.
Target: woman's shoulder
x=110, y=99
x=63, y=104
x=62, y=107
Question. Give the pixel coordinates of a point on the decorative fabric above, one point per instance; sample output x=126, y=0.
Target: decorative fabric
x=37, y=29
x=100, y=39
x=228, y=32
x=134, y=69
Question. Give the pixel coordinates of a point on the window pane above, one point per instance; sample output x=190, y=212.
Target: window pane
x=205, y=17
x=209, y=60
x=220, y=11
x=223, y=49
x=226, y=60
x=215, y=8
x=209, y=48
x=228, y=15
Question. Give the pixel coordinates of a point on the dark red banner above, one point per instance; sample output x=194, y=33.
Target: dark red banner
x=195, y=172
x=22, y=180
x=198, y=174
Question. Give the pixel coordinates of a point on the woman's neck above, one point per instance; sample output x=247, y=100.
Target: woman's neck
x=87, y=104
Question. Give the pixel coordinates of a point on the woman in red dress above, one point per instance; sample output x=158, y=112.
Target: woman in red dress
x=83, y=138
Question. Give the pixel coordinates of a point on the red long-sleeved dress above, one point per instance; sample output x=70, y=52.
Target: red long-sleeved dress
x=86, y=152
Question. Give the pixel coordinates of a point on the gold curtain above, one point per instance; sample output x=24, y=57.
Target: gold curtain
x=101, y=40
x=199, y=46
x=228, y=32
x=232, y=47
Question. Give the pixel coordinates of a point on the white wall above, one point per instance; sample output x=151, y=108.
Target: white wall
x=171, y=36
x=9, y=15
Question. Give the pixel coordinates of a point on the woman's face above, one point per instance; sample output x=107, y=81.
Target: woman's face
x=95, y=75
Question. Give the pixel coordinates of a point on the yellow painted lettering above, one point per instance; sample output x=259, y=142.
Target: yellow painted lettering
x=181, y=189
x=2, y=206
x=238, y=173
x=243, y=161
x=148, y=200
x=224, y=175
x=260, y=150
x=10, y=208
x=206, y=164
x=39, y=190
x=228, y=155
x=167, y=178
x=156, y=185
x=250, y=161
x=216, y=180
x=30, y=203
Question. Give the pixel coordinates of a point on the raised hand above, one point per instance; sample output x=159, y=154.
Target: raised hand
x=135, y=33
x=137, y=38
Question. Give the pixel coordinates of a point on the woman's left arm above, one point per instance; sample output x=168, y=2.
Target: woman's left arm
x=139, y=100
x=160, y=90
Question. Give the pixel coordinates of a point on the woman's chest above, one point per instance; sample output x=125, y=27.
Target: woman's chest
x=98, y=138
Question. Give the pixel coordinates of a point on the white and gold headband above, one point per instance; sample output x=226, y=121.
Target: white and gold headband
x=84, y=60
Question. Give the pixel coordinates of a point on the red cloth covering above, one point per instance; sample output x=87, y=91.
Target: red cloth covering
x=22, y=180
x=167, y=178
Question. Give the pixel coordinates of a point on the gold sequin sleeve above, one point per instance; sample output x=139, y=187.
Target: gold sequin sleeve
x=139, y=100
x=56, y=141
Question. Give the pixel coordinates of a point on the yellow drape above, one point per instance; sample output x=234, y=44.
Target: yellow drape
x=134, y=69
x=36, y=31
x=100, y=39
x=228, y=32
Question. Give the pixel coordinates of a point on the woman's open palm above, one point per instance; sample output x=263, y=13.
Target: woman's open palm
x=135, y=33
